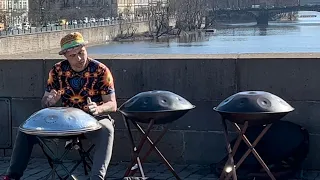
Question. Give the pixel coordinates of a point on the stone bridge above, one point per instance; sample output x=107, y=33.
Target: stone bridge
x=204, y=80
x=262, y=15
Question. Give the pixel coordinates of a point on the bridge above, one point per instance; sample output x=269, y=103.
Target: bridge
x=262, y=15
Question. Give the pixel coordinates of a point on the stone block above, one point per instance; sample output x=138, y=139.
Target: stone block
x=22, y=109
x=121, y=147
x=21, y=78
x=171, y=146
x=200, y=79
x=1, y=152
x=7, y=152
x=202, y=118
x=5, y=123
x=204, y=147
x=128, y=76
x=313, y=159
x=291, y=79
x=306, y=114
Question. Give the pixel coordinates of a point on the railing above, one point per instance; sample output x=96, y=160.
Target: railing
x=268, y=8
x=32, y=30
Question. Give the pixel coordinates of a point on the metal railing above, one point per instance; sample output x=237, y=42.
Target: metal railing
x=52, y=28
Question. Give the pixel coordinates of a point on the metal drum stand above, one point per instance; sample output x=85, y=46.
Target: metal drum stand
x=73, y=143
x=230, y=166
x=249, y=108
x=152, y=108
x=136, y=150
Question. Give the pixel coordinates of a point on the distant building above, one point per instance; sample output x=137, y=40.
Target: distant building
x=131, y=7
x=50, y=11
x=14, y=11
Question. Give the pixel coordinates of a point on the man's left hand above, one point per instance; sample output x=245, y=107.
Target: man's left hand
x=93, y=107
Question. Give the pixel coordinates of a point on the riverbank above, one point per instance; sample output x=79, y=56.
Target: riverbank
x=277, y=37
x=47, y=41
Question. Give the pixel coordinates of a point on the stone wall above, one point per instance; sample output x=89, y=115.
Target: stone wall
x=45, y=41
x=42, y=41
x=204, y=80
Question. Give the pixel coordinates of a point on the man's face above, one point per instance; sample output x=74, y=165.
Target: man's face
x=78, y=58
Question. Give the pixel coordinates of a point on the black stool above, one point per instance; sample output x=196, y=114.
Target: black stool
x=72, y=143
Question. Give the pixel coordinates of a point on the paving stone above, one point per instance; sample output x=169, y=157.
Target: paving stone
x=207, y=178
x=189, y=170
x=39, y=168
x=116, y=169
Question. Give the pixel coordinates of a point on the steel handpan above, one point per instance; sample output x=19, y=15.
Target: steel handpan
x=162, y=106
x=59, y=121
x=256, y=107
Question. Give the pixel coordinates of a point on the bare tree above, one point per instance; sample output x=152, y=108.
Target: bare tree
x=190, y=14
x=159, y=18
x=126, y=30
x=3, y=21
x=41, y=11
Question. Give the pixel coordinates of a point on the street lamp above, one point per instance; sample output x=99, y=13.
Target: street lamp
x=41, y=15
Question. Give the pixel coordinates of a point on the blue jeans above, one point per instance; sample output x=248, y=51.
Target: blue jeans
x=102, y=138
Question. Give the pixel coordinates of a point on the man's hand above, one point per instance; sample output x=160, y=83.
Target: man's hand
x=93, y=107
x=52, y=98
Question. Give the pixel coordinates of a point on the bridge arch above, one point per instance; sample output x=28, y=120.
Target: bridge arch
x=262, y=15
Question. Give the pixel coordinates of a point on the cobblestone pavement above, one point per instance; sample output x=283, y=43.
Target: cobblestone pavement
x=39, y=168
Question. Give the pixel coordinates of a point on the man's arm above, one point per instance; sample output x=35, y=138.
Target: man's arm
x=51, y=89
x=50, y=98
x=44, y=101
x=109, y=104
x=107, y=91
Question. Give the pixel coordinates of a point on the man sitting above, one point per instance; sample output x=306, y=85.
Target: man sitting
x=74, y=81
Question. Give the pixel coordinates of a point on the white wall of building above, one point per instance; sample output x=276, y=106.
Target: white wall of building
x=16, y=11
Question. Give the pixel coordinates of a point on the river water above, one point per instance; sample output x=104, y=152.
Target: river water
x=277, y=37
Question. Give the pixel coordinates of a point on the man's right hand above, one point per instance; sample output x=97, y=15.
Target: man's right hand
x=52, y=98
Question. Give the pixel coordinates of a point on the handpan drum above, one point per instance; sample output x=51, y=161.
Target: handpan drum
x=256, y=107
x=161, y=106
x=59, y=121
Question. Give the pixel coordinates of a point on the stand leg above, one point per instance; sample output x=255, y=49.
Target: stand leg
x=234, y=150
x=230, y=159
x=151, y=149
x=136, y=150
x=83, y=154
x=253, y=150
x=165, y=161
x=56, y=162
